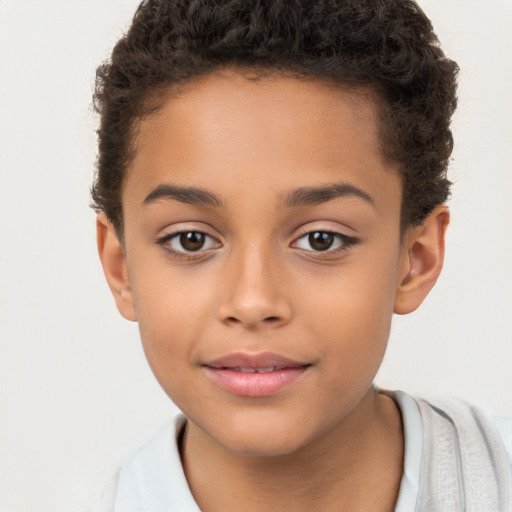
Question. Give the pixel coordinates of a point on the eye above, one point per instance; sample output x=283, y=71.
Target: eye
x=321, y=241
x=187, y=242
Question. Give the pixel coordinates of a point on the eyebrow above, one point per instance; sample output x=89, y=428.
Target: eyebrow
x=188, y=195
x=303, y=196
x=306, y=196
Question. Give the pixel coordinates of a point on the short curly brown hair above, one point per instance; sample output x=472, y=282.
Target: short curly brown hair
x=387, y=45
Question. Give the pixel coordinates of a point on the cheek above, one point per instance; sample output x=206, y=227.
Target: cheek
x=353, y=337
x=172, y=308
x=351, y=318
x=168, y=298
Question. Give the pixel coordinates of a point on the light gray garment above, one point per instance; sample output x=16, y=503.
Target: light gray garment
x=456, y=460
x=465, y=465
x=153, y=479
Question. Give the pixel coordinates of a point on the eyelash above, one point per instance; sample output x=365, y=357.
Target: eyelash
x=345, y=240
x=166, y=240
x=346, y=243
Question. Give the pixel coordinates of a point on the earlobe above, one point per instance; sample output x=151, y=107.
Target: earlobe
x=421, y=260
x=114, y=266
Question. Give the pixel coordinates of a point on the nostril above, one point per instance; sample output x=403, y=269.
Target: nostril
x=268, y=319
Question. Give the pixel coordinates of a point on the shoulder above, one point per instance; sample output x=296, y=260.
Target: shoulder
x=466, y=457
x=470, y=423
x=152, y=479
x=143, y=482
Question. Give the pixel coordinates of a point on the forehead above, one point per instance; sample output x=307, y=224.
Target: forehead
x=278, y=130
x=270, y=107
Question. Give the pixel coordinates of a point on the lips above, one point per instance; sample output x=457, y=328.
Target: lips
x=256, y=370
x=254, y=375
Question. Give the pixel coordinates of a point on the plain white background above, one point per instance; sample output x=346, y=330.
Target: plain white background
x=76, y=395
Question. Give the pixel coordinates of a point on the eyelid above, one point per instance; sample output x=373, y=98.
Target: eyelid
x=185, y=227
x=347, y=241
x=165, y=240
x=326, y=227
x=177, y=235
x=336, y=236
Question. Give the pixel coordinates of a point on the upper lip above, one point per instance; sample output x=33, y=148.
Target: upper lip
x=254, y=360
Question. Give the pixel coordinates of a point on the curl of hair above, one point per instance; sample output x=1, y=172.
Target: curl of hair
x=388, y=45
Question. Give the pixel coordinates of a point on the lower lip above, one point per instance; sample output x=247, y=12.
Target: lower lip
x=255, y=384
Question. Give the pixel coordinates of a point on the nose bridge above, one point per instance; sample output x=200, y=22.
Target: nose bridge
x=254, y=290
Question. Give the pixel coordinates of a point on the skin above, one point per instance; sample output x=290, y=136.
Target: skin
x=329, y=441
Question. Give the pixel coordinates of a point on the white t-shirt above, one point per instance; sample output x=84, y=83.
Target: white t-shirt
x=457, y=458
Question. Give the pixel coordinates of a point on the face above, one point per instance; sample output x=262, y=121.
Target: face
x=263, y=255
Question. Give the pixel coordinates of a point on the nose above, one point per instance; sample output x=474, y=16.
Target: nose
x=254, y=291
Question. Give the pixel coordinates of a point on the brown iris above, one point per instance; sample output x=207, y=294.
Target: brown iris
x=321, y=240
x=192, y=240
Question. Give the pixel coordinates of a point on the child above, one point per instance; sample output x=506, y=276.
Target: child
x=270, y=190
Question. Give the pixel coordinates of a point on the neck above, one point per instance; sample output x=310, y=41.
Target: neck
x=356, y=465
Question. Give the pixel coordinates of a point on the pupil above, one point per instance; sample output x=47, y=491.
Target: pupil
x=321, y=240
x=192, y=241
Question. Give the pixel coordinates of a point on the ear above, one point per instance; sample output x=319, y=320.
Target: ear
x=114, y=266
x=421, y=260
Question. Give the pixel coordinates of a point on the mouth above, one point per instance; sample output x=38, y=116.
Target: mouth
x=255, y=375
x=254, y=370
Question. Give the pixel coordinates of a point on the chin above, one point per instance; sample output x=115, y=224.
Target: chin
x=265, y=436
x=260, y=446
